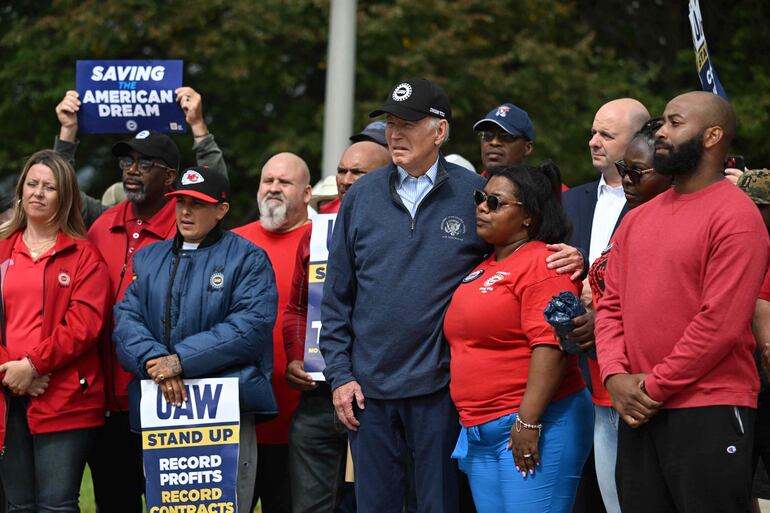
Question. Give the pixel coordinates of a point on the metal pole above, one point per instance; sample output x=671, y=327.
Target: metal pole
x=340, y=83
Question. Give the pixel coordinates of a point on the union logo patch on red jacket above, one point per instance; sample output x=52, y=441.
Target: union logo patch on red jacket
x=64, y=279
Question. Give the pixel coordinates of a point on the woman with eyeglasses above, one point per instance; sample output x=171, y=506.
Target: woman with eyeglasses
x=54, y=293
x=525, y=413
x=640, y=183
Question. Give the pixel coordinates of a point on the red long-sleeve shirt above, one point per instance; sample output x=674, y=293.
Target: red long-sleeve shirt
x=295, y=315
x=681, y=284
x=281, y=247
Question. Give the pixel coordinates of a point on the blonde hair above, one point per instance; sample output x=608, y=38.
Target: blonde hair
x=67, y=217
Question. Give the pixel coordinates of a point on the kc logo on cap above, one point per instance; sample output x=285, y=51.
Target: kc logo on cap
x=192, y=177
x=502, y=110
x=402, y=92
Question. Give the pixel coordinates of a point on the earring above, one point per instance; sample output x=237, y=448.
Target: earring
x=526, y=224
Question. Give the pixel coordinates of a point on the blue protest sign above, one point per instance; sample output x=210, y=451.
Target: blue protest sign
x=191, y=451
x=323, y=225
x=128, y=96
x=706, y=71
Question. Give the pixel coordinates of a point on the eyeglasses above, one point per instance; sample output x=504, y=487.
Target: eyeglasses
x=493, y=202
x=634, y=174
x=142, y=165
x=503, y=137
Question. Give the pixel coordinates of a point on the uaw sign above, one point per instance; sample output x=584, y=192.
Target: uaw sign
x=708, y=75
x=129, y=96
x=191, y=451
x=320, y=239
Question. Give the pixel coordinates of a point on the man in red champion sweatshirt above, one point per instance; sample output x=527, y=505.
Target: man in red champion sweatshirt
x=674, y=331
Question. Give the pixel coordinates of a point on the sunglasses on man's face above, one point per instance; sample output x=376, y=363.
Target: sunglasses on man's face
x=142, y=165
x=503, y=137
x=635, y=175
x=493, y=202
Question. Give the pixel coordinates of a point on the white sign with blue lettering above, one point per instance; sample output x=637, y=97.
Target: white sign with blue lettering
x=320, y=240
x=191, y=451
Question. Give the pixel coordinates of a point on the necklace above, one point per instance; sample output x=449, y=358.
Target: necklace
x=520, y=246
x=524, y=243
x=39, y=247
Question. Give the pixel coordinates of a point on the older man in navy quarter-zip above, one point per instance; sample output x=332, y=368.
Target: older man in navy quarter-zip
x=404, y=239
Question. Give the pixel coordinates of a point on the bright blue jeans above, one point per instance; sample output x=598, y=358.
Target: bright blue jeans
x=565, y=443
x=42, y=473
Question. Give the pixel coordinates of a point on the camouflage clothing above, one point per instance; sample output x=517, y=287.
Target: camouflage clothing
x=756, y=183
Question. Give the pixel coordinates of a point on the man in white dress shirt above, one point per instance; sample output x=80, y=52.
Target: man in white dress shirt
x=595, y=210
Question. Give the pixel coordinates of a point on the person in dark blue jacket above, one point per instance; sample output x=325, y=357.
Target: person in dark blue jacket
x=202, y=305
x=404, y=239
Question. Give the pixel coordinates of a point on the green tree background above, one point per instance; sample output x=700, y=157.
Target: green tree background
x=260, y=66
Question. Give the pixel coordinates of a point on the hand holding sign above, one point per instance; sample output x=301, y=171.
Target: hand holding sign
x=297, y=378
x=174, y=390
x=67, y=112
x=166, y=372
x=192, y=106
x=163, y=367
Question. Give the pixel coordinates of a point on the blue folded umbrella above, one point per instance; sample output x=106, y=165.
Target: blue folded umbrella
x=559, y=314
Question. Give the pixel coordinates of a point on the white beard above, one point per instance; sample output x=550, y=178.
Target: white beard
x=271, y=216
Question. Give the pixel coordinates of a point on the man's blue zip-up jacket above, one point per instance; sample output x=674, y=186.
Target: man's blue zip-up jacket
x=214, y=307
x=390, y=278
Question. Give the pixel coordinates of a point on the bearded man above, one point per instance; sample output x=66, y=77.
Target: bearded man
x=284, y=193
x=673, y=331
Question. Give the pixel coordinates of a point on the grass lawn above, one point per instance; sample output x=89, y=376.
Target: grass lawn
x=87, y=495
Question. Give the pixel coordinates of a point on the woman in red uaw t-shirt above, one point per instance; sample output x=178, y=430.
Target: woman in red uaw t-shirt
x=526, y=415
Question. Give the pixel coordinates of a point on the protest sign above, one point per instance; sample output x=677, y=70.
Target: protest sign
x=191, y=451
x=708, y=74
x=128, y=96
x=320, y=239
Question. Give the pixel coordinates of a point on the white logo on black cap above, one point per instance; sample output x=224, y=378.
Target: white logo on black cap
x=143, y=134
x=402, y=92
x=192, y=177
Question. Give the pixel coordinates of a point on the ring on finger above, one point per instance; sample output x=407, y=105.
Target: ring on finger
x=168, y=387
x=528, y=455
x=161, y=377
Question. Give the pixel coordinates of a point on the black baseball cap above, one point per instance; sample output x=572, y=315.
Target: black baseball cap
x=150, y=143
x=203, y=183
x=413, y=99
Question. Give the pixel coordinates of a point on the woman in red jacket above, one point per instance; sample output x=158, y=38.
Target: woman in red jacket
x=54, y=297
